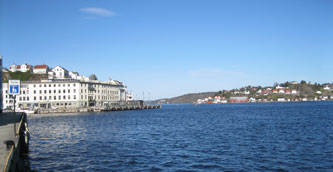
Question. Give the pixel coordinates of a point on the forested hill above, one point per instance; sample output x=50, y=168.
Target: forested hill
x=187, y=98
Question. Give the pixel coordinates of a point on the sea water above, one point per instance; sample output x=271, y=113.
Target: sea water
x=295, y=136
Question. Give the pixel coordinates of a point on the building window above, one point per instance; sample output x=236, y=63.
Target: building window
x=74, y=97
x=59, y=91
x=50, y=97
x=34, y=85
x=74, y=85
x=69, y=91
x=40, y=98
x=55, y=97
x=40, y=91
x=44, y=85
x=74, y=91
x=68, y=85
x=23, y=98
x=54, y=91
x=64, y=91
x=69, y=97
x=35, y=98
x=45, y=91
x=50, y=91
x=54, y=85
x=81, y=96
x=45, y=98
x=49, y=85
x=59, y=97
x=64, y=97
x=34, y=91
x=23, y=92
x=27, y=98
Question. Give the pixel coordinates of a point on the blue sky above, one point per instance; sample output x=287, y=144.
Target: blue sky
x=171, y=47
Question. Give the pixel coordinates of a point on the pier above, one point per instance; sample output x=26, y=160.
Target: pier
x=14, y=137
x=117, y=106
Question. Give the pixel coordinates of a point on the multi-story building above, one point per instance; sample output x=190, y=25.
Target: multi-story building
x=65, y=93
x=1, y=84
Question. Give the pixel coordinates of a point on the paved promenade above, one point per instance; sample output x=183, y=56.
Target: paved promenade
x=7, y=133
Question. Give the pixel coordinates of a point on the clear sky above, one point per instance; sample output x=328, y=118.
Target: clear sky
x=171, y=47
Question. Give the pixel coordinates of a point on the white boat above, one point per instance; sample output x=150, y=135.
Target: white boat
x=26, y=110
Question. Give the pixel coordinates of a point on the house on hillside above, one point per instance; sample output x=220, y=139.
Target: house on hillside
x=60, y=72
x=73, y=75
x=26, y=68
x=327, y=87
x=279, y=87
x=287, y=91
x=281, y=91
x=238, y=99
x=20, y=68
x=41, y=69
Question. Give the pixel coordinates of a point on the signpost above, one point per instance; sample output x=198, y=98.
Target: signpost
x=14, y=89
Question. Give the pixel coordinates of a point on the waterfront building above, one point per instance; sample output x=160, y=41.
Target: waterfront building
x=1, y=105
x=65, y=93
x=239, y=99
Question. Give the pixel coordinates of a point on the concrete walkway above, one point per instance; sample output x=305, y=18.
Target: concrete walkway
x=7, y=133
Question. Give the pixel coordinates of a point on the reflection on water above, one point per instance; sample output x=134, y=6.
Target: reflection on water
x=228, y=137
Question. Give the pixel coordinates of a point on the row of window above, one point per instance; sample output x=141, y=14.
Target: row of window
x=48, y=98
x=54, y=91
x=54, y=85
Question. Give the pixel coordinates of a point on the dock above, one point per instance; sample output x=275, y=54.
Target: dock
x=14, y=142
x=117, y=106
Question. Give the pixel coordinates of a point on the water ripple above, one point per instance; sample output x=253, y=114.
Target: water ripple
x=229, y=137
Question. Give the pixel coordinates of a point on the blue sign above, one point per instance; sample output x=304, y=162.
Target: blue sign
x=14, y=89
x=14, y=86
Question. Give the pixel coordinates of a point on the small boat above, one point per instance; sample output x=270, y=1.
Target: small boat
x=26, y=110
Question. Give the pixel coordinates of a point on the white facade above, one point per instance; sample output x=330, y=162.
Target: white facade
x=64, y=94
x=13, y=68
x=41, y=69
x=60, y=72
x=20, y=68
x=326, y=87
x=73, y=75
x=26, y=68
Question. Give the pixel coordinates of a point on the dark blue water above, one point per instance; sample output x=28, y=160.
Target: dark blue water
x=227, y=137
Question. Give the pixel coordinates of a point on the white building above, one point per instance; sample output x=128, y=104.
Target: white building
x=60, y=72
x=281, y=99
x=25, y=68
x=41, y=69
x=73, y=75
x=65, y=93
x=20, y=68
x=326, y=87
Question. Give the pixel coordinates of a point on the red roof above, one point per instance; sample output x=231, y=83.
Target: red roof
x=40, y=66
